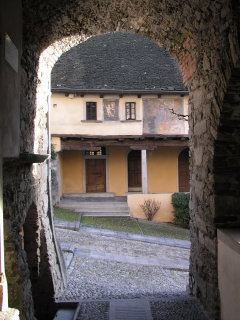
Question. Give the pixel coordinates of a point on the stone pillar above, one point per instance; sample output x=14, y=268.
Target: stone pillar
x=144, y=172
x=3, y=281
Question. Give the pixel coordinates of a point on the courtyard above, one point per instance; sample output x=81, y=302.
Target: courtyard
x=106, y=267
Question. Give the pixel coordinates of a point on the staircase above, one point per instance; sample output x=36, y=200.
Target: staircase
x=108, y=206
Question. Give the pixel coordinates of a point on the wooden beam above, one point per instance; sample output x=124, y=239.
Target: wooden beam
x=141, y=145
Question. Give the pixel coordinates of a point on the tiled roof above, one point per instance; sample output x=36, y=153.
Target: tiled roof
x=117, y=62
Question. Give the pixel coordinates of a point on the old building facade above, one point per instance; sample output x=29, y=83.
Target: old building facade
x=204, y=39
x=117, y=131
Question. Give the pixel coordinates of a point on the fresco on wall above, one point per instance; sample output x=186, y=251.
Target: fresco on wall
x=158, y=119
x=110, y=109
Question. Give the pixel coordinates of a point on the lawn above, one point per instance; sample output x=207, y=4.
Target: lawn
x=64, y=214
x=166, y=230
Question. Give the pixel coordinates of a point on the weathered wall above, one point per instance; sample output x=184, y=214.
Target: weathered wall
x=68, y=116
x=205, y=40
x=17, y=198
x=159, y=118
x=10, y=76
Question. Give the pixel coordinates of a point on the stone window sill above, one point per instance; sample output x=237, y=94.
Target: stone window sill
x=91, y=121
x=131, y=120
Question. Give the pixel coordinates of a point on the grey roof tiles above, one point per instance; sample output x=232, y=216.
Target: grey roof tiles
x=117, y=62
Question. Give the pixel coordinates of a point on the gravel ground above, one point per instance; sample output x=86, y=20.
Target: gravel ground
x=90, y=278
x=83, y=240
x=94, y=279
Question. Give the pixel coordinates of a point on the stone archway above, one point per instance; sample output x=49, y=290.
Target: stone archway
x=206, y=48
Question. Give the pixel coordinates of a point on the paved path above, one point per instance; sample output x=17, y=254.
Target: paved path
x=105, y=268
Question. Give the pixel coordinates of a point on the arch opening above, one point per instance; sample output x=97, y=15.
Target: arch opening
x=206, y=65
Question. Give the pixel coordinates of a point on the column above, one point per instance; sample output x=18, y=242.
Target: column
x=144, y=172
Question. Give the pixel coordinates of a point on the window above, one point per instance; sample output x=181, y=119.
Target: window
x=91, y=110
x=130, y=110
x=98, y=152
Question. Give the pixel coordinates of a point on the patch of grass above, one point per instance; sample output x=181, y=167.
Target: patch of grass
x=164, y=231
x=117, y=224
x=65, y=214
x=131, y=226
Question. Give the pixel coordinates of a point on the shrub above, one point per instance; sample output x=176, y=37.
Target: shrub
x=53, y=153
x=150, y=207
x=180, y=202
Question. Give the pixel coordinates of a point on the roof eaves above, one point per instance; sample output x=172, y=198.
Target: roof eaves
x=116, y=91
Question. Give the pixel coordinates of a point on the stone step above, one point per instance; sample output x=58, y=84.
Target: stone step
x=134, y=309
x=98, y=207
x=94, y=204
x=88, y=195
x=64, y=314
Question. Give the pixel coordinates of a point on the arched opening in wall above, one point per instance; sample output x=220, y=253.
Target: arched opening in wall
x=183, y=171
x=203, y=58
x=134, y=171
x=110, y=109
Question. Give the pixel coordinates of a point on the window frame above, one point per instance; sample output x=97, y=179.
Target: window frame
x=130, y=110
x=91, y=110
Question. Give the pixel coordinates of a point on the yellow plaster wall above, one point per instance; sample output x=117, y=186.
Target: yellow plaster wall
x=72, y=172
x=117, y=170
x=163, y=215
x=163, y=170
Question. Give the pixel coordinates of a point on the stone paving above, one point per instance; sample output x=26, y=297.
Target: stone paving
x=103, y=268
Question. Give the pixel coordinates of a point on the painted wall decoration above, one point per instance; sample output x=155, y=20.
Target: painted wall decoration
x=110, y=109
x=157, y=118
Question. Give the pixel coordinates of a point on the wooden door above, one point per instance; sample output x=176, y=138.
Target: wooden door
x=95, y=175
x=183, y=171
x=134, y=169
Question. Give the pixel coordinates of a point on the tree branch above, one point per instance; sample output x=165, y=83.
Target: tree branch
x=179, y=116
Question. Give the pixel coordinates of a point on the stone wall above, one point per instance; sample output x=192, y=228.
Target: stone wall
x=35, y=270
x=227, y=157
x=204, y=39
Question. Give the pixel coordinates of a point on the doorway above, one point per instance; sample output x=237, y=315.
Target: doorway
x=134, y=171
x=183, y=171
x=96, y=175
